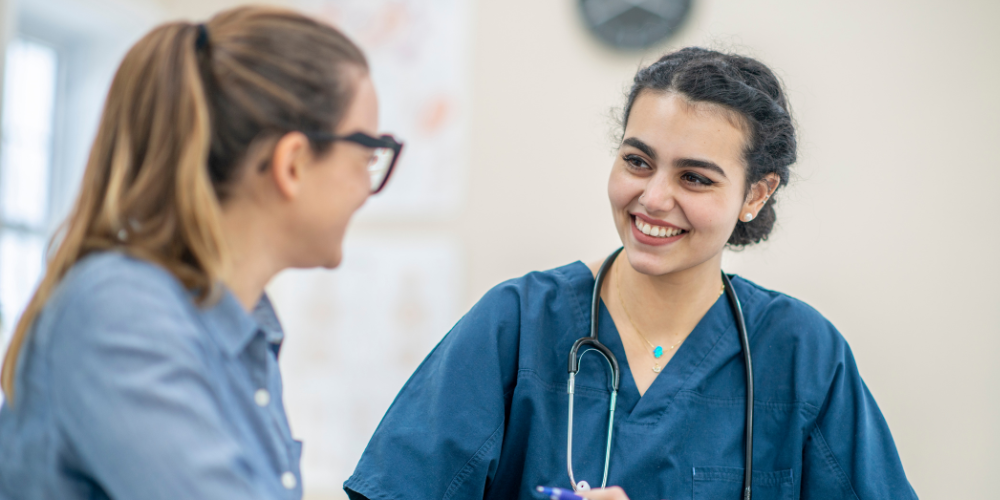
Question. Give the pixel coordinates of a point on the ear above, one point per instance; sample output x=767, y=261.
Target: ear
x=758, y=195
x=291, y=154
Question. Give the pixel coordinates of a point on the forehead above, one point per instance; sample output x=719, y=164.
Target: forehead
x=362, y=110
x=676, y=127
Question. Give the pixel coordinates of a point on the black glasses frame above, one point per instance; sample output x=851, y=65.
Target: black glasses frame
x=362, y=139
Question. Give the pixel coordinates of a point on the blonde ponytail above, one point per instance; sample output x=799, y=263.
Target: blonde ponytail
x=179, y=118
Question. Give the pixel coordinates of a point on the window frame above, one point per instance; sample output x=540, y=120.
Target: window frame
x=42, y=232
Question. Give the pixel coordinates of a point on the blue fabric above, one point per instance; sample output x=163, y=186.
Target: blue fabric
x=485, y=415
x=127, y=389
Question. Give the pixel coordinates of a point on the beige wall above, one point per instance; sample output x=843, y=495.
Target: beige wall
x=888, y=228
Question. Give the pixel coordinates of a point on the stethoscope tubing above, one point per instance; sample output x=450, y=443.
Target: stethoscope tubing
x=741, y=327
x=594, y=344
x=574, y=367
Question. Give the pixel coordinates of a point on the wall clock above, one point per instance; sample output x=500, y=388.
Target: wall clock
x=634, y=24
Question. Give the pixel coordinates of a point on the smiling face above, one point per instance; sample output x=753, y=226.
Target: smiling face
x=333, y=186
x=677, y=187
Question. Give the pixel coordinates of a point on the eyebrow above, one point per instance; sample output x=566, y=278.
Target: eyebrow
x=707, y=165
x=681, y=162
x=641, y=146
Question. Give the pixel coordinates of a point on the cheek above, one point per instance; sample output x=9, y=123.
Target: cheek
x=709, y=215
x=351, y=184
x=339, y=192
x=622, y=190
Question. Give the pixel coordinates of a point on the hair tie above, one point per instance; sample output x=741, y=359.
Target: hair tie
x=202, y=41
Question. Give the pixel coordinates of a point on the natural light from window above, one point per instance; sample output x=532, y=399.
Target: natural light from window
x=29, y=97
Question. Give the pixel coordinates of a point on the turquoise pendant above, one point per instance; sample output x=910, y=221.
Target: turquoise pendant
x=657, y=352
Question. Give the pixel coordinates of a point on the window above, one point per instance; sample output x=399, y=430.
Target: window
x=29, y=99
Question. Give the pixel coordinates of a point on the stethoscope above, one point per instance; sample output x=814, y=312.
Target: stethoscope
x=595, y=345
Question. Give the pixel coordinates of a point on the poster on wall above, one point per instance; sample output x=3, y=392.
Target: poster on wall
x=419, y=52
x=353, y=337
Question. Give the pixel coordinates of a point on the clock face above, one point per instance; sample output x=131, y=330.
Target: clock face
x=634, y=24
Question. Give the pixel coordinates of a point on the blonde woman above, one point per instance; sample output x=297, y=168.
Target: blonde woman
x=145, y=366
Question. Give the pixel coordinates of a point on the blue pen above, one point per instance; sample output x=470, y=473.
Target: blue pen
x=558, y=493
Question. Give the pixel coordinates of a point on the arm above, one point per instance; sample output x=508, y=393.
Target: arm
x=849, y=453
x=133, y=399
x=441, y=437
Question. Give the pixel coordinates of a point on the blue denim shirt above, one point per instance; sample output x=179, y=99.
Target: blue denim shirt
x=128, y=389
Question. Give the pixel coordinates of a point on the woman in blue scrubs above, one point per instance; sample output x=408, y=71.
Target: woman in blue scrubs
x=707, y=143
x=145, y=366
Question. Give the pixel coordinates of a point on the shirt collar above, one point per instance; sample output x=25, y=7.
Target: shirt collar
x=268, y=319
x=235, y=328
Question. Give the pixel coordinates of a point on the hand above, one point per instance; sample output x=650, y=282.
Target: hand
x=612, y=493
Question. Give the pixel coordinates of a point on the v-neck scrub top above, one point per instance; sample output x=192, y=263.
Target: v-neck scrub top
x=485, y=415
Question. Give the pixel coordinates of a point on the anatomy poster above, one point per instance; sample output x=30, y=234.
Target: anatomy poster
x=419, y=53
x=353, y=337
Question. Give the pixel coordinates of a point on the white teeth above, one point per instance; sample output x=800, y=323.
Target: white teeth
x=656, y=231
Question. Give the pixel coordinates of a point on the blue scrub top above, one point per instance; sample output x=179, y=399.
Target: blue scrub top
x=485, y=415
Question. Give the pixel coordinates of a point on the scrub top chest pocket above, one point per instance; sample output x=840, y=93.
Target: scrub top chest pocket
x=711, y=483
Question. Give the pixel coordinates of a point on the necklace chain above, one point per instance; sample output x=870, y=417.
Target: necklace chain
x=618, y=288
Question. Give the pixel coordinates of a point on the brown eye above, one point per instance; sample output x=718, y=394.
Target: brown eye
x=636, y=162
x=694, y=178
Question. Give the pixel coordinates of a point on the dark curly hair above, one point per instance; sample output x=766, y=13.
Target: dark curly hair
x=742, y=85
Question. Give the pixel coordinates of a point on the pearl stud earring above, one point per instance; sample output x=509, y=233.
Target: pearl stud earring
x=747, y=217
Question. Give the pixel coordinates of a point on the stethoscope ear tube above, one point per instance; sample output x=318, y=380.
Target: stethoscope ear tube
x=595, y=299
x=741, y=327
x=595, y=304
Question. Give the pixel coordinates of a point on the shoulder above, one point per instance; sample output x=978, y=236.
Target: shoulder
x=510, y=325
x=775, y=314
x=564, y=287
x=114, y=284
x=112, y=275
x=109, y=297
x=793, y=343
x=537, y=304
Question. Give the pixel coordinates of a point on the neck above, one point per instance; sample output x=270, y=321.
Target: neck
x=252, y=253
x=667, y=307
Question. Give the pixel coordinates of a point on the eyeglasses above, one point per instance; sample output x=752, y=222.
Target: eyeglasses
x=385, y=152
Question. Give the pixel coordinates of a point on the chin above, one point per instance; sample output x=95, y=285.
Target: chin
x=660, y=261
x=334, y=254
x=653, y=265
x=333, y=262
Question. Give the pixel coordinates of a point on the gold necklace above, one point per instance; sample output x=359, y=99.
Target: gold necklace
x=657, y=351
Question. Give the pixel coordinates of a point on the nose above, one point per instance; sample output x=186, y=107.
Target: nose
x=658, y=195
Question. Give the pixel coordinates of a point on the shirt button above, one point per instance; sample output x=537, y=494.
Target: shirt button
x=288, y=480
x=262, y=397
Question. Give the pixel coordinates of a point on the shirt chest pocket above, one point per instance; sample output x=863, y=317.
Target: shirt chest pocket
x=726, y=483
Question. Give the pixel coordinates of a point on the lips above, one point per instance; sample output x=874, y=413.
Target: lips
x=656, y=231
